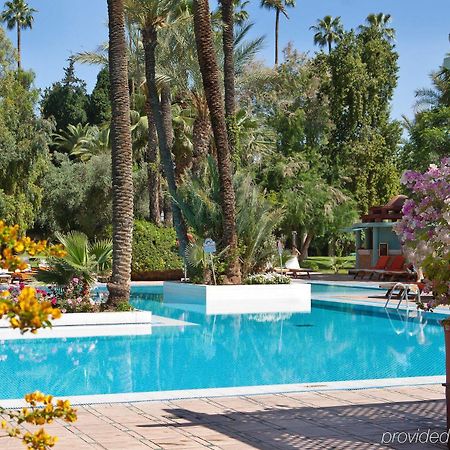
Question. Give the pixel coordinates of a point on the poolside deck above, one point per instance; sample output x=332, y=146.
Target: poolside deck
x=351, y=419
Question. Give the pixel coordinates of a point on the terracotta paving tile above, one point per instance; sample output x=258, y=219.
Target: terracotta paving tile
x=354, y=419
x=317, y=399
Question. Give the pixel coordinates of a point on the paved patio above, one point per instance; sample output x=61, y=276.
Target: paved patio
x=354, y=419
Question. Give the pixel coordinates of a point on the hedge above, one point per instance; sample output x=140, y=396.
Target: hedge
x=154, y=248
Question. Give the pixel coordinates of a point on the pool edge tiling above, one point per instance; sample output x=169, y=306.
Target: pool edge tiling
x=184, y=394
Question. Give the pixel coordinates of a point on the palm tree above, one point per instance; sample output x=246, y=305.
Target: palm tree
x=154, y=182
x=436, y=96
x=280, y=7
x=227, y=9
x=122, y=158
x=83, y=259
x=211, y=83
x=240, y=13
x=328, y=30
x=380, y=23
x=150, y=16
x=17, y=14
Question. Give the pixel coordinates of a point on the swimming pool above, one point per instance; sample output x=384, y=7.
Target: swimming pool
x=334, y=342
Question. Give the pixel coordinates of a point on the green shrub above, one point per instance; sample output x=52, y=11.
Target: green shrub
x=154, y=248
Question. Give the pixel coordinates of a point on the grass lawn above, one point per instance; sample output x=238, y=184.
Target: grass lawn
x=328, y=264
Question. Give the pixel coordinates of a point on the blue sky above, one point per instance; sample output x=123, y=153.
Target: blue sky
x=63, y=27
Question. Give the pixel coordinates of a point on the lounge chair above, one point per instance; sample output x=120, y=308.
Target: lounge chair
x=24, y=276
x=292, y=268
x=5, y=276
x=379, y=266
x=398, y=270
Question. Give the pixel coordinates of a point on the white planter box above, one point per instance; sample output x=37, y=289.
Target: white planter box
x=238, y=299
x=70, y=325
x=102, y=318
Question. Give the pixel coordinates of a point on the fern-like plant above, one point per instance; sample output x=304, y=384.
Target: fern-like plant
x=256, y=218
x=83, y=260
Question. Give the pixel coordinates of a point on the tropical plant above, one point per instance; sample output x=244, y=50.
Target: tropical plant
x=205, y=268
x=72, y=137
x=83, y=260
x=380, y=22
x=227, y=10
x=150, y=16
x=256, y=218
x=240, y=14
x=210, y=75
x=329, y=30
x=18, y=14
x=122, y=157
x=83, y=141
x=256, y=221
x=280, y=7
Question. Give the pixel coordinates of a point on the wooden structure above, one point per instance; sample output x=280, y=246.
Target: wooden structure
x=374, y=235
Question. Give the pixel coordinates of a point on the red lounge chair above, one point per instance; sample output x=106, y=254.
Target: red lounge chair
x=379, y=266
x=398, y=270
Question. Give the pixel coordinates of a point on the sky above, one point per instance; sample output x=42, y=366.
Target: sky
x=64, y=27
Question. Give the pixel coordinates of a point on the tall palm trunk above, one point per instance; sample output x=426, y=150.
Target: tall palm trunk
x=201, y=137
x=167, y=208
x=122, y=177
x=210, y=75
x=19, y=47
x=149, y=36
x=228, y=66
x=277, y=28
x=166, y=112
x=152, y=167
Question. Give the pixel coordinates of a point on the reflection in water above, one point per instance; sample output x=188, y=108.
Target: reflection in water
x=332, y=343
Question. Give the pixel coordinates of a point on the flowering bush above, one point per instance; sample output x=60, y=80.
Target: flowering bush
x=74, y=297
x=14, y=246
x=29, y=309
x=425, y=228
x=267, y=278
x=42, y=410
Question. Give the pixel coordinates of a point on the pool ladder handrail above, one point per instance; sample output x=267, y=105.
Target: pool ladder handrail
x=404, y=290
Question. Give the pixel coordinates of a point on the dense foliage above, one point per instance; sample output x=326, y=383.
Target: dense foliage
x=154, y=248
x=66, y=101
x=23, y=143
x=425, y=228
x=429, y=132
x=314, y=144
x=256, y=217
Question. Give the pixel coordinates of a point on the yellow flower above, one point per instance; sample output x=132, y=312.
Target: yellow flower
x=19, y=247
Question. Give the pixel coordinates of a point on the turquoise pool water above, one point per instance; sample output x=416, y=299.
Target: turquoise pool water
x=334, y=342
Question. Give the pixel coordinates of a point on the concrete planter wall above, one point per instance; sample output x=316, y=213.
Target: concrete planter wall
x=88, y=324
x=239, y=299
